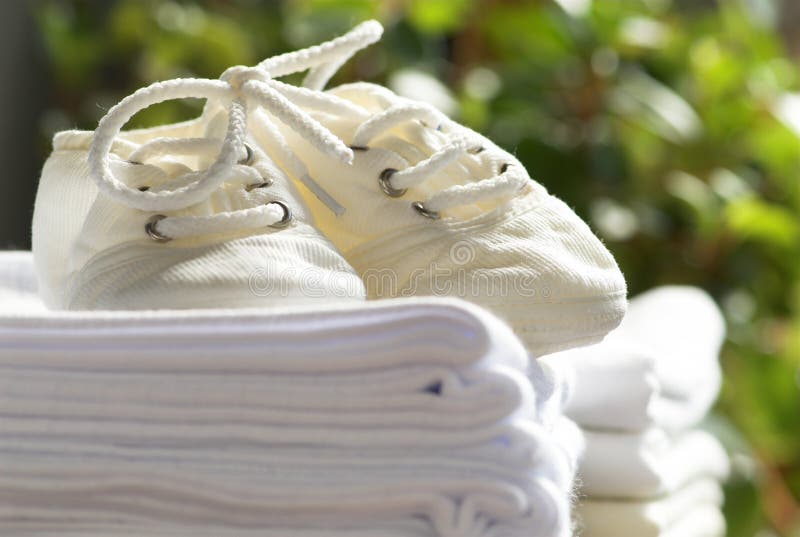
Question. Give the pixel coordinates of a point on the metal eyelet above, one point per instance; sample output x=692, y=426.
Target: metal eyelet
x=287, y=215
x=427, y=125
x=249, y=158
x=359, y=148
x=385, y=180
x=152, y=232
x=421, y=209
x=263, y=184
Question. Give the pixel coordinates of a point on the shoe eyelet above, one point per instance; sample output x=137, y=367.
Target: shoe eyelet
x=264, y=184
x=421, y=209
x=152, y=232
x=385, y=180
x=287, y=215
x=249, y=157
x=359, y=148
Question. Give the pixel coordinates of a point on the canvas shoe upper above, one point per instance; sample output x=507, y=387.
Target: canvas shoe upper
x=433, y=208
x=192, y=215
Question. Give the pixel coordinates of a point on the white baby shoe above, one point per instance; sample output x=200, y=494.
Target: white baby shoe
x=433, y=208
x=199, y=214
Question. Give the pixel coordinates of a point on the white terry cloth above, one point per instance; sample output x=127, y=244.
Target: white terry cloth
x=429, y=399
x=660, y=367
x=454, y=499
x=607, y=518
x=650, y=464
x=359, y=418
x=552, y=389
x=683, y=329
x=613, y=385
x=704, y=521
x=18, y=286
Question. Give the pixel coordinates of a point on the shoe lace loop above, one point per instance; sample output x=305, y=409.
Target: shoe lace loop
x=244, y=90
x=507, y=180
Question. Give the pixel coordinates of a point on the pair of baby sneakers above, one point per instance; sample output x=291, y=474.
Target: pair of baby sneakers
x=282, y=194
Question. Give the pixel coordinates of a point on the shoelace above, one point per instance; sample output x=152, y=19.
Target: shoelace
x=246, y=89
x=243, y=89
x=395, y=183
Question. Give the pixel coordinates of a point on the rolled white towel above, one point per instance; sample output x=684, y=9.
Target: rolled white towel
x=613, y=385
x=683, y=329
x=659, y=368
x=704, y=521
x=18, y=285
x=648, y=465
x=608, y=518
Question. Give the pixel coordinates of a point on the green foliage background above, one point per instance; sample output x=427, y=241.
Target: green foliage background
x=658, y=122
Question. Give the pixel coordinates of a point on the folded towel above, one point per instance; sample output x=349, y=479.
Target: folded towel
x=683, y=329
x=704, y=521
x=659, y=368
x=650, y=464
x=404, y=417
x=433, y=398
x=18, y=282
x=613, y=385
x=454, y=499
x=606, y=518
x=552, y=389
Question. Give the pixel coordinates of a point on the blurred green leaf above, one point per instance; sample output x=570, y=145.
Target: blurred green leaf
x=754, y=219
x=435, y=16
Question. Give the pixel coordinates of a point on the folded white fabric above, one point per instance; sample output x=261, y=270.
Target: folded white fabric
x=404, y=417
x=552, y=388
x=687, y=507
x=18, y=282
x=613, y=385
x=636, y=396
x=683, y=329
x=703, y=521
x=650, y=464
x=659, y=368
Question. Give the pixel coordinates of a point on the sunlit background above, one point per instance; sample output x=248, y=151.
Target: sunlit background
x=671, y=127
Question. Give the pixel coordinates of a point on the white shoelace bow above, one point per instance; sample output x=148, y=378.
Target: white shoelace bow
x=244, y=90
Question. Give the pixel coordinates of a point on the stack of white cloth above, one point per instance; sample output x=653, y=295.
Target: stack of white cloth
x=398, y=418
x=638, y=398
